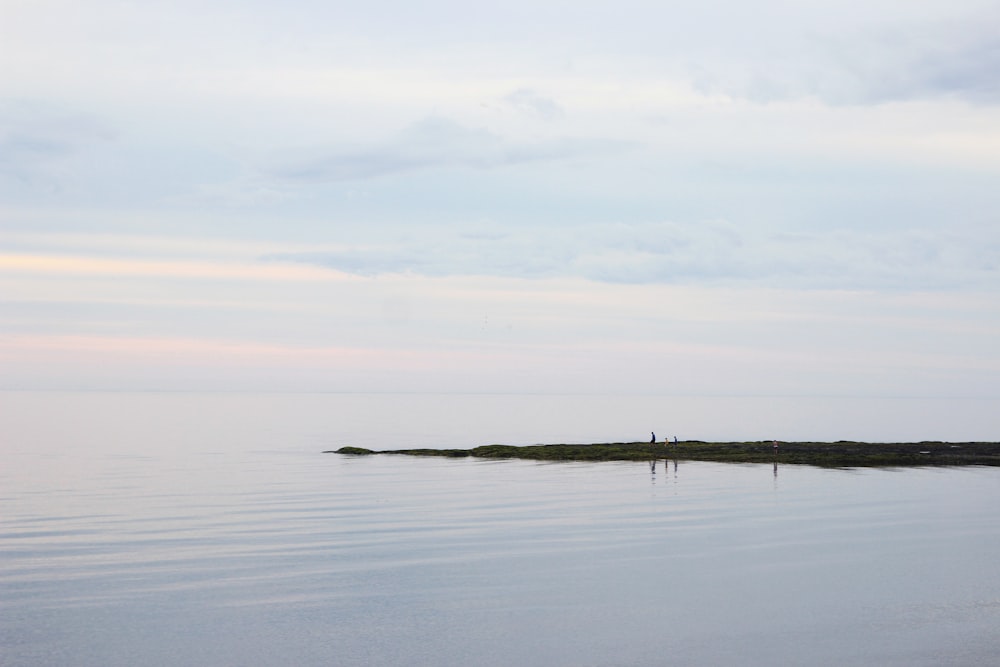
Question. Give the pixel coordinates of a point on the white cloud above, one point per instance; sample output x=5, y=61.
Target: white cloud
x=872, y=64
x=430, y=143
x=530, y=102
x=713, y=252
x=38, y=142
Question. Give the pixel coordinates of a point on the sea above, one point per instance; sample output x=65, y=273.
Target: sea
x=144, y=528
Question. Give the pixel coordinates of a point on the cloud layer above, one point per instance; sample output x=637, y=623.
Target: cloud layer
x=429, y=143
x=713, y=253
x=757, y=197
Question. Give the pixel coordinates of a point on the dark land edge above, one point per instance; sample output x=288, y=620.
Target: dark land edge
x=826, y=454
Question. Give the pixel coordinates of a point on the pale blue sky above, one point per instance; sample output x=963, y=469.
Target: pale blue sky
x=720, y=197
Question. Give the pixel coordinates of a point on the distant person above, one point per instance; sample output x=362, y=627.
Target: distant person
x=653, y=441
x=675, y=441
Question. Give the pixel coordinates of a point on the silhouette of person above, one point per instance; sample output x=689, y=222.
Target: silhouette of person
x=653, y=441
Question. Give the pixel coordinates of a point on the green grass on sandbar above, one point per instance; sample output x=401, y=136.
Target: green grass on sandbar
x=842, y=453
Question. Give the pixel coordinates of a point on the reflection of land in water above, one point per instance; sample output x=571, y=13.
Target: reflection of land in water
x=829, y=454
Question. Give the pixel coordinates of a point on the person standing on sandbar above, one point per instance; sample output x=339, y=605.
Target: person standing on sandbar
x=653, y=441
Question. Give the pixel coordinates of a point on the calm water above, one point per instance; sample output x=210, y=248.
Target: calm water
x=171, y=529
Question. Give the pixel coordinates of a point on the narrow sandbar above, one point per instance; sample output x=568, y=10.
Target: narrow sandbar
x=841, y=453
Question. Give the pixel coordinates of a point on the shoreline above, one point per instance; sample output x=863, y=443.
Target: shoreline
x=839, y=454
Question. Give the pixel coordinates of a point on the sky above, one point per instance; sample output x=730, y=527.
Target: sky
x=729, y=198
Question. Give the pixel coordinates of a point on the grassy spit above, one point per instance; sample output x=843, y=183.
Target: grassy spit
x=840, y=454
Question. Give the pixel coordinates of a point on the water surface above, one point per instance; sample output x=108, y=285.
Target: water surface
x=209, y=530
